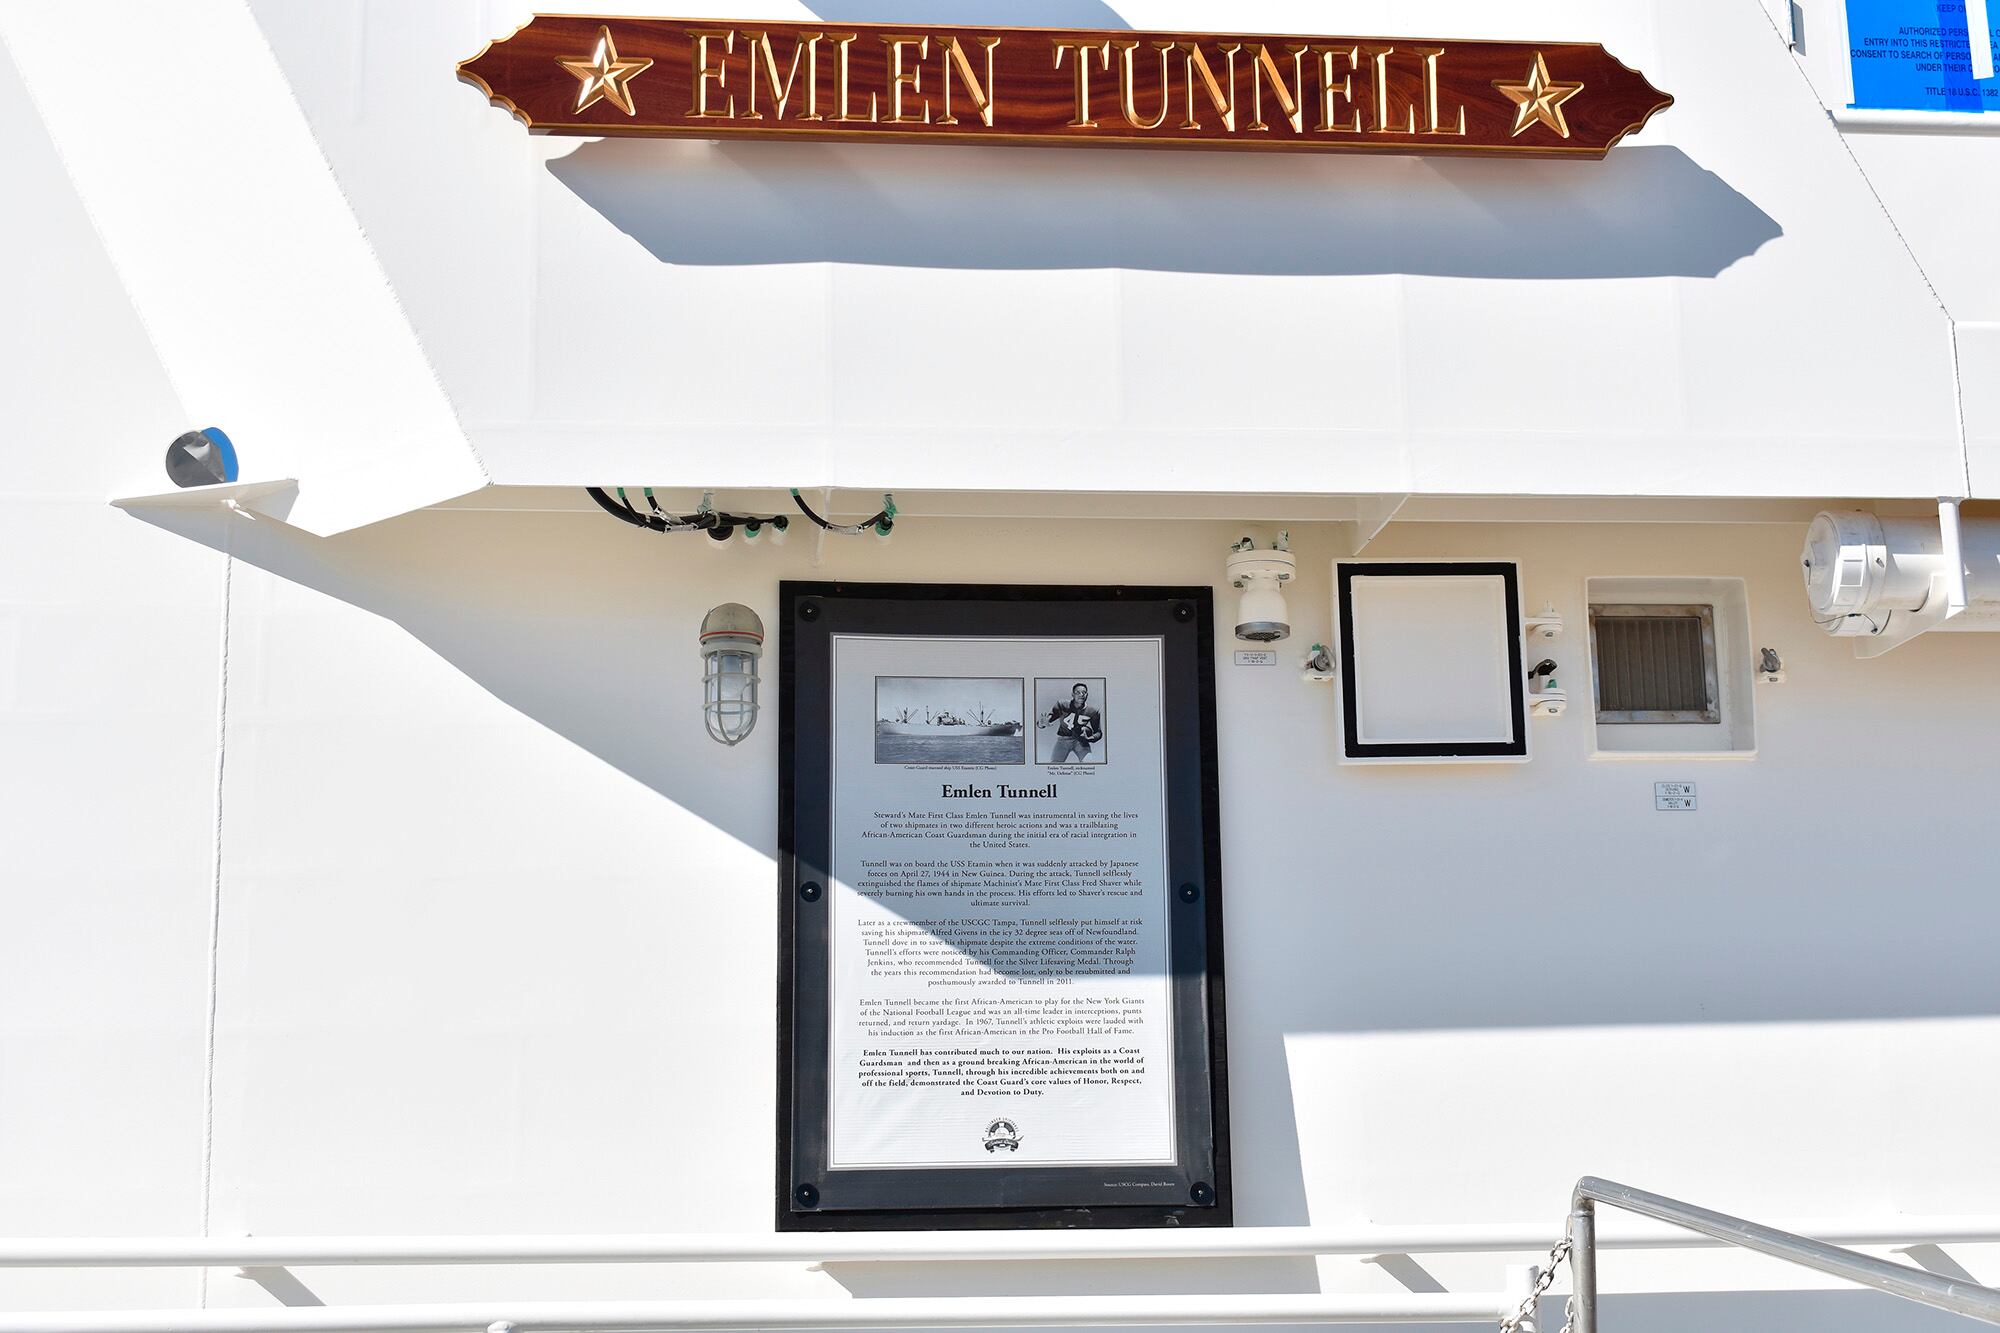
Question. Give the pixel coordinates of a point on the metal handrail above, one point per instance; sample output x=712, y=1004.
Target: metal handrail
x=1686, y=1226
x=790, y=1315
x=921, y=1246
x=1946, y=1293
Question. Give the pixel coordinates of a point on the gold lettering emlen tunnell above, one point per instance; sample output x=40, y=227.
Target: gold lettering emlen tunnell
x=1210, y=86
x=940, y=79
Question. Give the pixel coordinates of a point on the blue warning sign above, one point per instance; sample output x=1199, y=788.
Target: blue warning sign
x=1916, y=55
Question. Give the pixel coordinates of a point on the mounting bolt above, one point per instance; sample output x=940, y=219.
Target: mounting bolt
x=1183, y=612
x=809, y=610
x=1201, y=1192
x=1189, y=893
x=809, y=891
x=807, y=1195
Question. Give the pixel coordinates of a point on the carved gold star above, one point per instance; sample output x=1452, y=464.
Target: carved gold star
x=1538, y=99
x=605, y=76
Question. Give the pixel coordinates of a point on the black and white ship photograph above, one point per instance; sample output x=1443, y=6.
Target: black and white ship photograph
x=950, y=720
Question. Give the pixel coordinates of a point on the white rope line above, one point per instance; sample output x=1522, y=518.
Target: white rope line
x=215, y=907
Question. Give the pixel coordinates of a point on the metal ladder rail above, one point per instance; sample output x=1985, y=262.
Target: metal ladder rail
x=1945, y=1293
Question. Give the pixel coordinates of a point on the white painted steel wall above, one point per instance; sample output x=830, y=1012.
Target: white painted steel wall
x=1719, y=308
x=496, y=920
x=1937, y=187
x=494, y=941
x=268, y=310
x=109, y=641
x=1685, y=317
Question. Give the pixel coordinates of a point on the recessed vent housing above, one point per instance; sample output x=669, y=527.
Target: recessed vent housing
x=1655, y=663
x=1672, y=668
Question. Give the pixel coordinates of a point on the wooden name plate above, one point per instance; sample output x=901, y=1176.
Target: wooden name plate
x=910, y=83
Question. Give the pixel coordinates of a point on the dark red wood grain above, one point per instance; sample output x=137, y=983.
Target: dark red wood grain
x=1034, y=102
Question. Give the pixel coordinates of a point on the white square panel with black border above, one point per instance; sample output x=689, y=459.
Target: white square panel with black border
x=1430, y=661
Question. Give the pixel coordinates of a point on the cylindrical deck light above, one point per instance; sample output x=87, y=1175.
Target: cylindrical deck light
x=732, y=639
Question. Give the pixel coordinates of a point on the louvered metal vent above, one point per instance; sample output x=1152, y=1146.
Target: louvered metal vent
x=1654, y=663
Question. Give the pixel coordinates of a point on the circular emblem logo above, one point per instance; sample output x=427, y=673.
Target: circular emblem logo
x=1002, y=1136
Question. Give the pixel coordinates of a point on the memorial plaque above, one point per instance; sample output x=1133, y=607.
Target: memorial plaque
x=1000, y=967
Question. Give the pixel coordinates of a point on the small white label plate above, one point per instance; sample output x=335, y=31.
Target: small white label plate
x=1673, y=796
x=1256, y=657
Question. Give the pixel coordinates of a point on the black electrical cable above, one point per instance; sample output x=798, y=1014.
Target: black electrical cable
x=719, y=526
x=624, y=512
x=882, y=521
x=658, y=520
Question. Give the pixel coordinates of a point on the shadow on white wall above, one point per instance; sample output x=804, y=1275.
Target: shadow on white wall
x=1644, y=211
x=1360, y=920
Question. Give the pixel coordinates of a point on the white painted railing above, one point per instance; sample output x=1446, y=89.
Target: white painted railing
x=729, y=1316
x=1956, y=1292
x=919, y=1246
x=732, y=1316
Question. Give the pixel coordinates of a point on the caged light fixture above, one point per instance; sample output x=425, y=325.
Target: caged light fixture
x=732, y=639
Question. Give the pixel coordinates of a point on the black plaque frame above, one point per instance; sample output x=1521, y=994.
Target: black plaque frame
x=1195, y=1191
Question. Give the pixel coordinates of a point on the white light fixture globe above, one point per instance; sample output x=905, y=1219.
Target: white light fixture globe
x=1260, y=576
x=732, y=639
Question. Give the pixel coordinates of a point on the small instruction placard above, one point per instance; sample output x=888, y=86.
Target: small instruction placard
x=1256, y=657
x=1673, y=796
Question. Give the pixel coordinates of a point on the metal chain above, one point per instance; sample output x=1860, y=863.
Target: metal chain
x=1512, y=1323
